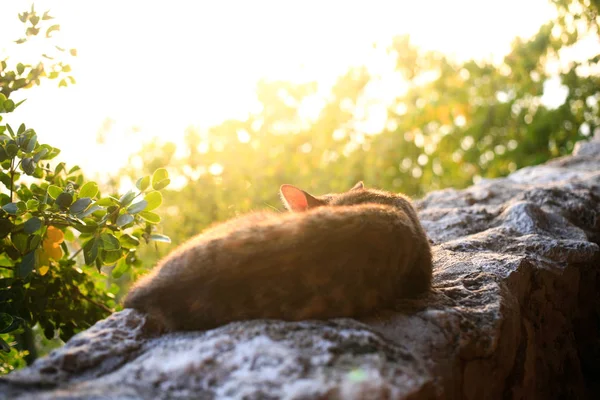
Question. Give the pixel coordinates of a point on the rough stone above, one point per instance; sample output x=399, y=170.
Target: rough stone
x=514, y=314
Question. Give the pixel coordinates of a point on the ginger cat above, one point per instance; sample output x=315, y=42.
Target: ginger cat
x=337, y=255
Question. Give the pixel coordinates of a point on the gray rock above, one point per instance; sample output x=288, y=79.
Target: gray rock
x=514, y=314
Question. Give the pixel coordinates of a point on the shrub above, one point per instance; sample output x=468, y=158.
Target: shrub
x=58, y=232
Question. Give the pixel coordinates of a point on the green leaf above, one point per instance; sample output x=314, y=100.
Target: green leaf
x=16, y=323
x=110, y=257
x=54, y=191
x=12, y=253
x=90, y=189
x=34, y=242
x=73, y=170
x=132, y=258
x=64, y=200
x=158, y=176
x=99, y=213
x=32, y=205
x=99, y=262
x=28, y=165
x=19, y=240
x=90, y=251
x=40, y=154
x=124, y=219
x=162, y=184
x=121, y=268
x=127, y=198
x=85, y=228
x=91, y=210
x=154, y=200
x=150, y=217
x=59, y=168
x=24, y=193
x=143, y=183
x=110, y=242
x=107, y=201
x=5, y=179
x=4, y=346
x=5, y=227
x=129, y=241
x=21, y=207
x=27, y=265
x=53, y=153
x=69, y=235
x=9, y=105
x=10, y=208
x=21, y=140
x=31, y=143
x=6, y=320
x=160, y=238
x=80, y=205
x=12, y=149
x=3, y=154
x=5, y=261
x=32, y=225
x=137, y=207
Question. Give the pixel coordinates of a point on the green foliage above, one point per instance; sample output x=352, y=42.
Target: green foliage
x=455, y=123
x=23, y=76
x=59, y=233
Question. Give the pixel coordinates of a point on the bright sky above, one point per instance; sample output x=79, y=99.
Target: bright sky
x=161, y=66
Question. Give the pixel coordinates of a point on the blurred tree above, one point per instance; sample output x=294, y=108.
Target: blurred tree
x=450, y=124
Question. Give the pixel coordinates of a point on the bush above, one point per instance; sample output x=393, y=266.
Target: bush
x=58, y=232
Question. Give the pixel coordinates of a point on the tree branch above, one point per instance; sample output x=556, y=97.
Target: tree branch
x=99, y=305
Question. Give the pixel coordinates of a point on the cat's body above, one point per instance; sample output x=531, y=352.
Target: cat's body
x=342, y=255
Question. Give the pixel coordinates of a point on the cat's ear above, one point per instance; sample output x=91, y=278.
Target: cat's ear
x=296, y=199
x=358, y=186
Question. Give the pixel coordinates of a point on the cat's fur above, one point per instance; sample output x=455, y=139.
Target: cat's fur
x=337, y=255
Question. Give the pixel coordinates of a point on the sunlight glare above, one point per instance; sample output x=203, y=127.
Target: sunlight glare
x=163, y=66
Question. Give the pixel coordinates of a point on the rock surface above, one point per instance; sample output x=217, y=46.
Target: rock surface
x=515, y=313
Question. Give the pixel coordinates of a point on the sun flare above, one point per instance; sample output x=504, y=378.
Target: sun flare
x=148, y=69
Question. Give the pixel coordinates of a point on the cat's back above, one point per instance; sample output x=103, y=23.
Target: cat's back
x=342, y=258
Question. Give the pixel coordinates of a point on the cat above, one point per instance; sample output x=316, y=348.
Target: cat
x=338, y=255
